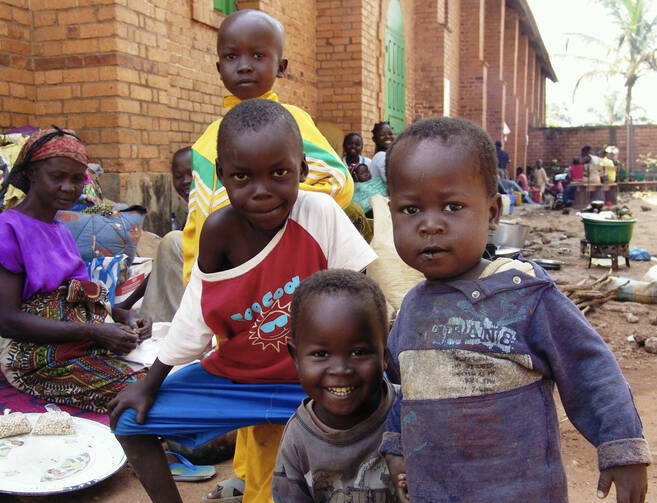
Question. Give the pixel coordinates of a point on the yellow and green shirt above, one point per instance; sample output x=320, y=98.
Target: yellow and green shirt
x=326, y=174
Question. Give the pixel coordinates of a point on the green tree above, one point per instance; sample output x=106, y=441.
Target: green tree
x=631, y=55
x=612, y=111
x=636, y=42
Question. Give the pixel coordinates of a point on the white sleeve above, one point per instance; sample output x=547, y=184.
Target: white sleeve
x=189, y=336
x=342, y=244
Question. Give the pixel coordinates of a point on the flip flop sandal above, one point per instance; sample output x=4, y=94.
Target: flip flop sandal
x=227, y=491
x=187, y=472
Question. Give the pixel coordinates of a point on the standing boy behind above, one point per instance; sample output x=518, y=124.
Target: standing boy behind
x=480, y=345
x=250, y=51
x=329, y=450
x=240, y=289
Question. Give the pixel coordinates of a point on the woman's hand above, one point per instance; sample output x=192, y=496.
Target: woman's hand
x=141, y=324
x=118, y=338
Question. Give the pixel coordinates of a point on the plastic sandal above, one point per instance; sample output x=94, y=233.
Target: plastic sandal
x=227, y=491
x=187, y=472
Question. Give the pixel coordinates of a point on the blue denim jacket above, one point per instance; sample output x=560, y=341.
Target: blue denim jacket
x=476, y=419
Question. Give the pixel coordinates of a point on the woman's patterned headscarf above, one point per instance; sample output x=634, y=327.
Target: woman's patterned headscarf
x=46, y=144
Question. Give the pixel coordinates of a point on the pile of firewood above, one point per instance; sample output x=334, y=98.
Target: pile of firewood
x=590, y=293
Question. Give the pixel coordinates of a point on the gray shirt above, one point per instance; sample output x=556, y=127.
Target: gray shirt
x=318, y=464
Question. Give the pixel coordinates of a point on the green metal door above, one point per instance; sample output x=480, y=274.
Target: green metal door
x=395, y=69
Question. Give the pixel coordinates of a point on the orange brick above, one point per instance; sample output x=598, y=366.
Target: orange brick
x=147, y=151
x=106, y=13
x=126, y=15
x=79, y=15
x=15, y=47
x=140, y=93
x=17, y=105
x=79, y=46
x=80, y=75
x=5, y=12
x=98, y=30
x=100, y=89
x=47, y=107
x=17, y=90
x=81, y=106
x=54, y=92
x=53, y=4
x=47, y=18
x=21, y=16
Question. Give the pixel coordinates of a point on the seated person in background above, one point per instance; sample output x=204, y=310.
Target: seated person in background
x=382, y=135
x=163, y=288
x=55, y=340
x=352, y=145
x=481, y=346
x=591, y=165
x=521, y=179
x=576, y=171
x=241, y=290
x=365, y=187
x=329, y=450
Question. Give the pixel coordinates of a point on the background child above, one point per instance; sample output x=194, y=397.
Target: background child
x=329, y=450
x=480, y=345
x=352, y=146
x=382, y=135
x=240, y=289
x=250, y=59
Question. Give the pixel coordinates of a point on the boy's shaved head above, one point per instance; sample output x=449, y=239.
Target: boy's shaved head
x=257, y=16
x=254, y=115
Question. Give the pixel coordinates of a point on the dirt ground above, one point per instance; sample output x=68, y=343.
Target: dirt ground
x=556, y=236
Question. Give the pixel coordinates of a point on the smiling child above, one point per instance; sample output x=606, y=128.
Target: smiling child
x=329, y=447
x=241, y=289
x=480, y=345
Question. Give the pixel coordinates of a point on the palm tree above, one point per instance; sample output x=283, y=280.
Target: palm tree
x=633, y=54
x=637, y=42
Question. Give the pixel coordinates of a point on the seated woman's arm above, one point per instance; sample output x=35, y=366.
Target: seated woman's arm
x=21, y=326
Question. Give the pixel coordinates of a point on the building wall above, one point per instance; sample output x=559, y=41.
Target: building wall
x=17, y=90
x=137, y=78
x=563, y=144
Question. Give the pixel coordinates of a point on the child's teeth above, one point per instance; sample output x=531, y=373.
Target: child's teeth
x=342, y=391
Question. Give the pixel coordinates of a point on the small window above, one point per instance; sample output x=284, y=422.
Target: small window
x=225, y=6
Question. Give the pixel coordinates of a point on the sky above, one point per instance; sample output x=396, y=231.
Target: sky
x=557, y=20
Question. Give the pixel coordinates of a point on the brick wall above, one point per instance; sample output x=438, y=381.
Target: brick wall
x=17, y=82
x=565, y=143
x=137, y=79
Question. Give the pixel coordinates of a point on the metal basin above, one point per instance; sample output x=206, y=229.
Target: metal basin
x=509, y=235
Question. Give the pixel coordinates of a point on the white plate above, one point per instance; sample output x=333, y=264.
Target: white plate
x=50, y=464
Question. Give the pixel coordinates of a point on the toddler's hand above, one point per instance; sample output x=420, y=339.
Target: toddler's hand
x=402, y=488
x=631, y=483
x=397, y=469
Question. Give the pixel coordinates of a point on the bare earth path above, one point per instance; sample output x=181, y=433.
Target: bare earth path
x=554, y=236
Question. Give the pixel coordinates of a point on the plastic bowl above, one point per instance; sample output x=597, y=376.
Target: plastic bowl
x=608, y=232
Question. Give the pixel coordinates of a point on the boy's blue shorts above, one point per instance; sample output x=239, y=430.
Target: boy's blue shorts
x=194, y=406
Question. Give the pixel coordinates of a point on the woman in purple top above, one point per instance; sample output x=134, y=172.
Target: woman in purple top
x=55, y=340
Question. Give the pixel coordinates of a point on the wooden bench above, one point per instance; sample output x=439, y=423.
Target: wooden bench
x=587, y=192
x=642, y=185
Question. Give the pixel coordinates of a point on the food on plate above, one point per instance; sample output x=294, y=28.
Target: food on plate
x=13, y=424
x=54, y=423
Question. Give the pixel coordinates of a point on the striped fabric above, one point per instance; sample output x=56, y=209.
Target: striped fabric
x=326, y=174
